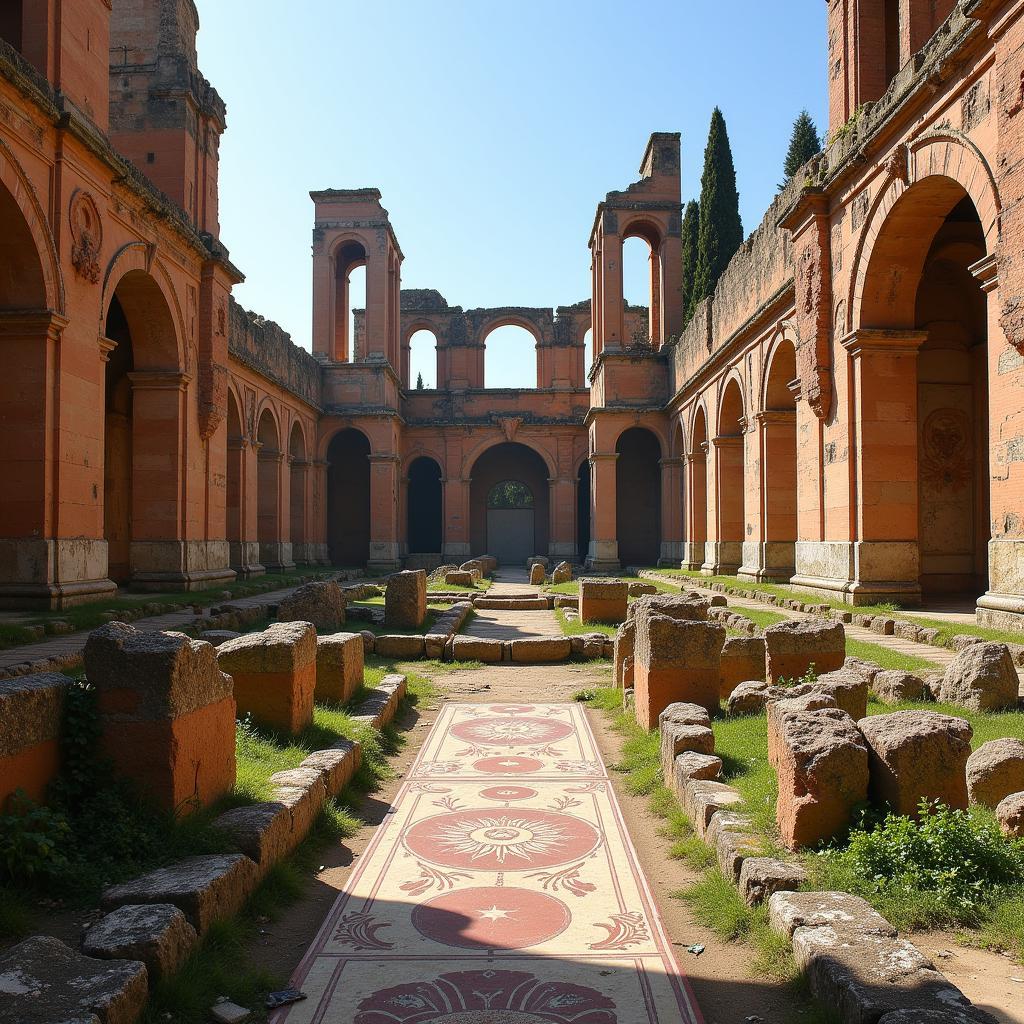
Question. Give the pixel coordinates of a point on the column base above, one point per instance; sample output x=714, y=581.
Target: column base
x=277, y=556
x=603, y=556
x=179, y=564
x=722, y=557
x=245, y=559
x=693, y=556
x=1000, y=611
x=770, y=561
x=53, y=572
x=671, y=554
x=859, y=572
x=55, y=596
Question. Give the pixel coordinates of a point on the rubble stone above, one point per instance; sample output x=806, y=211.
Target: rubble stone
x=849, y=689
x=893, y=686
x=791, y=648
x=742, y=660
x=981, y=677
x=1010, y=815
x=405, y=599
x=562, y=573
x=537, y=575
x=339, y=667
x=603, y=600
x=995, y=770
x=157, y=934
x=321, y=603
x=762, y=877
x=917, y=755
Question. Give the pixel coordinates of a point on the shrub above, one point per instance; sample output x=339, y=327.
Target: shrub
x=949, y=868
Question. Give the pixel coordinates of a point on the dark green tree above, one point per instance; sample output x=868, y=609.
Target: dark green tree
x=691, y=239
x=803, y=144
x=419, y=381
x=721, y=230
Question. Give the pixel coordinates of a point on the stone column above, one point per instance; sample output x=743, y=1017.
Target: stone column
x=300, y=469
x=611, y=324
x=696, y=510
x=269, y=508
x=604, y=545
x=562, y=519
x=672, y=545
x=455, y=497
x=319, y=552
x=728, y=540
x=244, y=550
x=384, y=544
x=777, y=493
x=885, y=555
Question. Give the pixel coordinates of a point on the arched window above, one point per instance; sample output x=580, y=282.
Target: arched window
x=588, y=353
x=510, y=494
x=423, y=360
x=510, y=358
x=350, y=295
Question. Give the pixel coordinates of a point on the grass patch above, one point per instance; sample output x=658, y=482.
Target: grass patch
x=889, y=658
x=440, y=585
x=761, y=617
x=93, y=615
x=574, y=627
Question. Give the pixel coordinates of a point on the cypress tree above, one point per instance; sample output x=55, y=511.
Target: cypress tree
x=691, y=231
x=803, y=144
x=419, y=381
x=721, y=231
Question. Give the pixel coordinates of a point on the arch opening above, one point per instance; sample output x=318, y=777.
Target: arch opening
x=729, y=468
x=425, y=502
x=779, y=465
x=143, y=393
x=588, y=353
x=510, y=357
x=268, y=490
x=299, y=470
x=348, y=498
x=638, y=497
x=509, y=503
x=422, y=360
x=698, y=511
x=583, y=527
x=349, y=295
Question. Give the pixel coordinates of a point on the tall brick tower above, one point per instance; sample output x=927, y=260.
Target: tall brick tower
x=164, y=115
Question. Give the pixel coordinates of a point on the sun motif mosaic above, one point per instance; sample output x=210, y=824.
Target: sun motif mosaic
x=502, y=889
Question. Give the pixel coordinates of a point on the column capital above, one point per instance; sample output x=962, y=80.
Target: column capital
x=238, y=444
x=885, y=342
x=768, y=417
x=673, y=461
x=597, y=456
x=159, y=380
x=986, y=272
x=728, y=441
x=32, y=322
x=106, y=347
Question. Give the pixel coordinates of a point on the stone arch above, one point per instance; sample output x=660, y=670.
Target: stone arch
x=784, y=339
x=347, y=454
x=348, y=254
x=730, y=502
x=507, y=537
x=419, y=326
x=474, y=454
x=49, y=287
x=932, y=174
x=424, y=505
x=298, y=466
x=778, y=482
x=734, y=414
x=638, y=495
x=269, y=460
x=162, y=339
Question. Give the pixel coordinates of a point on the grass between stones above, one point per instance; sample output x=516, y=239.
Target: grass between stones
x=893, y=611
x=93, y=615
x=573, y=586
x=451, y=588
x=574, y=627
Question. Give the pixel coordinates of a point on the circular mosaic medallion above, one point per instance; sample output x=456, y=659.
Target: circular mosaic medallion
x=508, y=793
x=494, y=917
x=487, y=839
x=511, y=732
x=510, y=765
x=511, y=709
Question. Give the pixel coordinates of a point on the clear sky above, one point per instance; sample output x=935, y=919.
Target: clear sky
x=492, y=130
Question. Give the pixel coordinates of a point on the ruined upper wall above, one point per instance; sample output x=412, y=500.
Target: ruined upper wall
x=266, y=348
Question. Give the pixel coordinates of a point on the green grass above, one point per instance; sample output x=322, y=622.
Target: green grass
x=93, y=615
x=574, y=627
x=482, y=586
x=1004, y=928
x=947, y=630
x=761, y=617
x=573, y=586
x=889, y=658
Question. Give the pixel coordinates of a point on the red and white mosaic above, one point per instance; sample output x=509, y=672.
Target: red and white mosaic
x=488, y=899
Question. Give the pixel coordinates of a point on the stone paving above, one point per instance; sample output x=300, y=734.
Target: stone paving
x=503, y=886
x=512, y=623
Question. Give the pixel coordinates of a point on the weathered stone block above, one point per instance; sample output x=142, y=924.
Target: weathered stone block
x=625, y=638
x=849, y=689
x=603, y=600
x=732, y=850
x=917, y=755
x=822, y=766
x=206, y=888
x=783, y=701
x=275, y=674
x=157, y=934
x=31, y=708
x=791, y=648
x=562, y=573
x=167, y=713
x=893, y=686
x=261, y=831
x=749, y=698
x=689, y=606
x=703, y=799
x=994, y=771
x=674, y=660
x=1010, y=815
x=43, y=981
x=537, y=575
x=762, y=877
x=788, y=911
x=460, y=578
x=398, y=645
x=405, y=599
x=981, y=677
x=742, y=660
x=677, y=738
x=339, y=667
x=540, y=650
x=638, y=589
x=321, y=603
x=471, y=648
x=691, y=765
x=336, y=765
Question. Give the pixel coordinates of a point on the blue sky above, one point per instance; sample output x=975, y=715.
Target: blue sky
x=492, y=130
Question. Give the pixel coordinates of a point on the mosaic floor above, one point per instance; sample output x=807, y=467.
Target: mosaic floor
x=501, y=889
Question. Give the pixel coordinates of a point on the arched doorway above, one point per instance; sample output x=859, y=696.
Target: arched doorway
x=729, y=497
x=425, y=518
x=509, y=521
x=236, y=455
x=924, y=480
x=583, y=511
x=297, y=493
x=697, y=506
x=638, y=497
x=779, y=465
x=143, y=397
x=268, y=491
x=348, y=498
